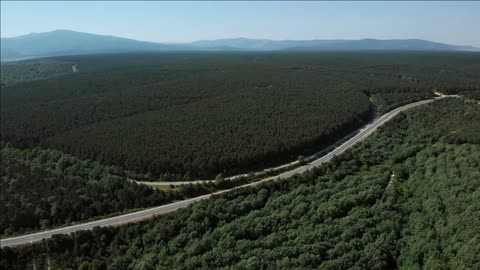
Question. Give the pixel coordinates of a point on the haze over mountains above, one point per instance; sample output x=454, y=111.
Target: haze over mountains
x=65, y=42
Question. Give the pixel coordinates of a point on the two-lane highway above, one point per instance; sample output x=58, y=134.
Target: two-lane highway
x=148, y=213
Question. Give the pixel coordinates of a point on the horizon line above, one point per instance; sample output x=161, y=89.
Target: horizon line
x=227, y=38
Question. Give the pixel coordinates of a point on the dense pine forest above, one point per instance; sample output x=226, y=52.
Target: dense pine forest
x=406, y=198
x=195, y=115
x=13, y=73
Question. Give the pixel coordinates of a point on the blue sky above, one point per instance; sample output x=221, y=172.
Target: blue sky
x=450, y=22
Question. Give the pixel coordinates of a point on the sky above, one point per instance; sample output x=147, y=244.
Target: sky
x=451, y=22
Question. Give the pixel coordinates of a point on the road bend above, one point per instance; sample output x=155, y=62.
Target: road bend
x=163, y=209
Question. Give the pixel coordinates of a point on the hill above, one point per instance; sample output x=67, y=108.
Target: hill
x=381, y=45
x=332, y=45
x=65, y=42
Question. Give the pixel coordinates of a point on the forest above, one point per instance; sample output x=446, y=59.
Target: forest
x=41, y=189
x=195, y=115
x=405, y=198
x=13, y=73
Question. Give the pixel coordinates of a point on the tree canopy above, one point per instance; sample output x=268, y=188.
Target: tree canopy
x=405, y=198
x=202, y=114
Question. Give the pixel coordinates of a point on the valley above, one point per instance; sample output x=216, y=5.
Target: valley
x=92, y=145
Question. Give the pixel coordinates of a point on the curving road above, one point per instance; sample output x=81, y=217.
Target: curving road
x=148, y=213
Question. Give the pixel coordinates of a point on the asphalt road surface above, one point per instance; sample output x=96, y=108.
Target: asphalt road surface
x=148, y=213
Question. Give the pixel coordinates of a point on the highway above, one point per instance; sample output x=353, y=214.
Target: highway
x=148, y=213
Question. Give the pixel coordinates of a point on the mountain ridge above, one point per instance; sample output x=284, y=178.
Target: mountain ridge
x=67, y=42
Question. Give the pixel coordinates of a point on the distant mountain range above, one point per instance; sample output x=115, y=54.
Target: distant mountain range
x=331, y=45
x=65, y=42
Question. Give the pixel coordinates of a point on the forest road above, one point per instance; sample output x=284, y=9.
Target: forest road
x=159, y=210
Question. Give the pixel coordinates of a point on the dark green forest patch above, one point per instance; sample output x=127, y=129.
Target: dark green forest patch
x=45, y=188
x=31, y=70
x=201, y=114
x=41, y=189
